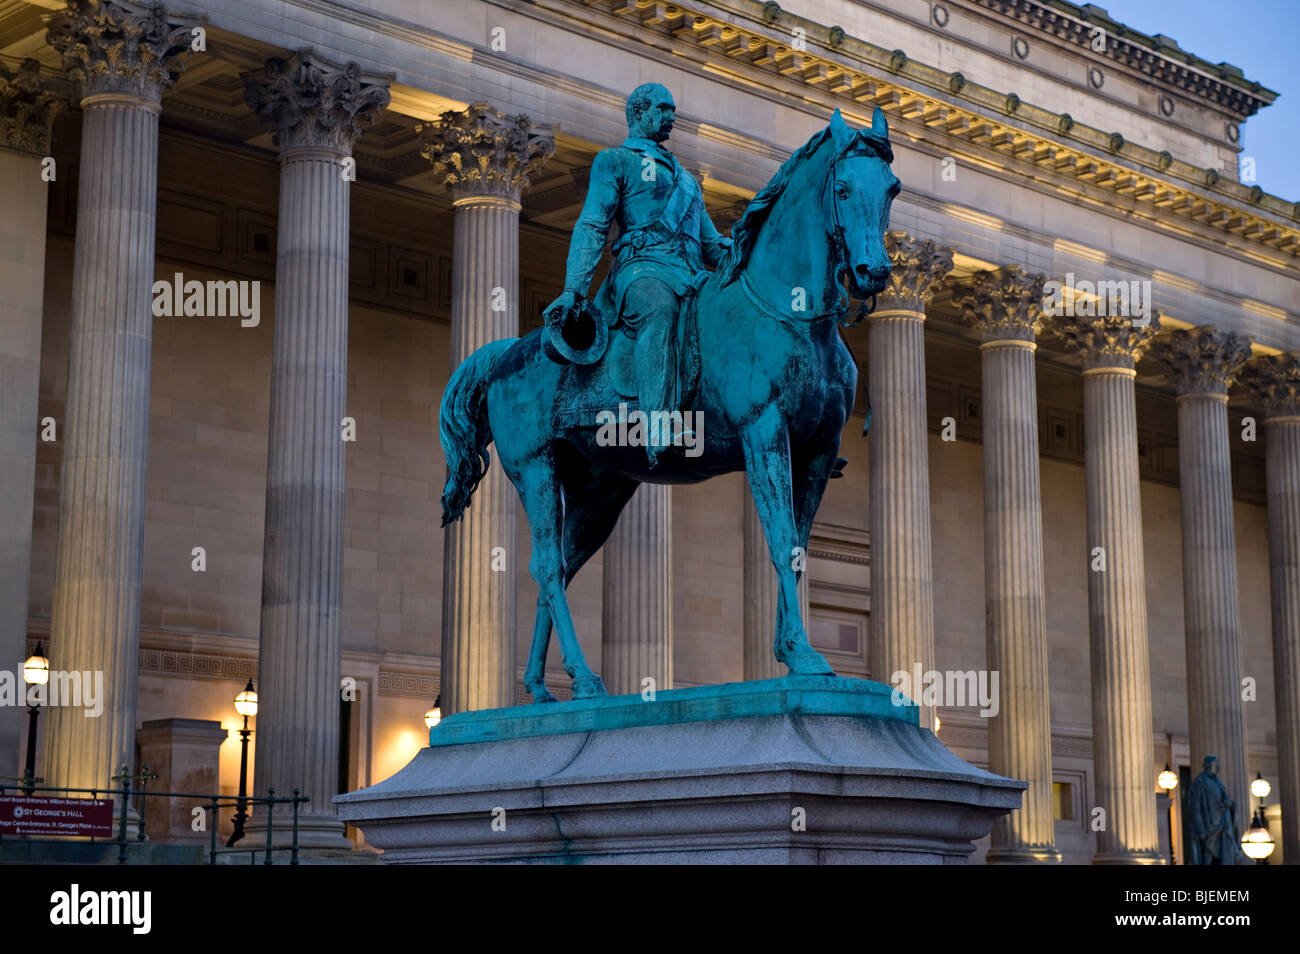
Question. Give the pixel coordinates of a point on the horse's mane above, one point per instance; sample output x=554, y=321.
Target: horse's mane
x=745, y=231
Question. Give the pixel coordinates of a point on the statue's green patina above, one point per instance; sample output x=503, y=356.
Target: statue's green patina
x=750, y=355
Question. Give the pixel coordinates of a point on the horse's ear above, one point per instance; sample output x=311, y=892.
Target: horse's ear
x=840, y=130
x=879, y=127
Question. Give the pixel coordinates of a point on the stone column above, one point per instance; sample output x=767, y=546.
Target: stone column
x=902, y=580
x=316, y=109
x=27, y=113
x=1123, y=759
x=1005, y=307
x=1201, y=365
x=1274, y=382
x=487, y=160
x=637, y=611
x=123, y=55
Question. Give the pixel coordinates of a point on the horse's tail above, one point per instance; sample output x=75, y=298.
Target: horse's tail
x=463, y=429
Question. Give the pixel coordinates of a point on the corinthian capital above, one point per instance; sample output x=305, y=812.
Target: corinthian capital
x=120, y=46
x=27, y=109
x=1274, y=383
x=918, y=267
x=1201, y=360
x=1107, y=341
x=481, y=151
x=309, y=100
x=1001, y=305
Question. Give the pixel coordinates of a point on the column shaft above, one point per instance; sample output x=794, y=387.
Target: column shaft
x=1020, y=735
x=100, y=552
x=1121, y=673
x=22, y=275
x=1216, y=725
x=479, y=613
x=902, y=584
x=1283, y=481
x=637, y=614
x=298, y=722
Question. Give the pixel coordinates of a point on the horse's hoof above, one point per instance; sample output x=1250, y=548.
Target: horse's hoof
x=541, y=694
x=807, y=661
x=588, y=687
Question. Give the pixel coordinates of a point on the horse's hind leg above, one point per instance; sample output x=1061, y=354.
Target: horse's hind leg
x=540, y=492
x=592, y=505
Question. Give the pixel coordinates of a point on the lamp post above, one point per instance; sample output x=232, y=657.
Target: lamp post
x=245, y=705
x=434, y=715
x=36, y=672
x=1168, y=781
x=1257, y=842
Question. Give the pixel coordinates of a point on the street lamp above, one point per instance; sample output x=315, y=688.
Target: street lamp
x=1259, y=787
x=1257, y=843
x=36, y=672
x=434, y=715
x=1168, y=781
x=245, y=705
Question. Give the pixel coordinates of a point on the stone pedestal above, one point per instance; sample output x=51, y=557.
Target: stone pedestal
x=1117, y=600
x=27, y=113
x=798, y=770
x=185, y=755
x=317, y=109
x=487, y=159
x=902, y=573
x=1005, y=308
x=123, y=55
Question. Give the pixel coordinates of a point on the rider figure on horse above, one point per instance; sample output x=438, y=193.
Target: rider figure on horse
x=666, y=240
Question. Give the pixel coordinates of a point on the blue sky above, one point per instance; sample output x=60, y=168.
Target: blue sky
x=1260, y=37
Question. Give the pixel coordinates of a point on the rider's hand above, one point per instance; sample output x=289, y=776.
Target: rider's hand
x=562, y=306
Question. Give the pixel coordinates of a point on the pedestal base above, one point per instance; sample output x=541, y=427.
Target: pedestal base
x=805, y=769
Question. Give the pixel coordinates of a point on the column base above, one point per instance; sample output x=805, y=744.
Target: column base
x=1131, y=858
x=317, y=832
x=1023, y=855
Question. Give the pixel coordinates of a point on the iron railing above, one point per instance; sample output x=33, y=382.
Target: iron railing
x=212, y=802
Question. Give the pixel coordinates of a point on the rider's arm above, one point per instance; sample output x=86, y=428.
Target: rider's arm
x=588, y=242
x=713, y=244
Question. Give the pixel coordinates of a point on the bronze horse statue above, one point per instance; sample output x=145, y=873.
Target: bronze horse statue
x=772, y=377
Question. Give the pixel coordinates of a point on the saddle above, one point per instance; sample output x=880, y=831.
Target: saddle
x=587, y=389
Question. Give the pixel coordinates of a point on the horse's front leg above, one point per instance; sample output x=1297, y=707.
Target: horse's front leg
x=767, y=465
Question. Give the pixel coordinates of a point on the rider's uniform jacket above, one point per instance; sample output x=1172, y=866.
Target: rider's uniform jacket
x=664, y=230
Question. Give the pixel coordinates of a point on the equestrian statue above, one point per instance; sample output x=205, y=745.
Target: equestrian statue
x=732, y=346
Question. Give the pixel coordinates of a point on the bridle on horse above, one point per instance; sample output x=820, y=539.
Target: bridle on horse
x=862, y=144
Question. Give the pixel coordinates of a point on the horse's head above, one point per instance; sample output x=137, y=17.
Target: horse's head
x=862, y=188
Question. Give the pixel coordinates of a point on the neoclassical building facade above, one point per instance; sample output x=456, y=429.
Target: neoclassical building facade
x=244, y=244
